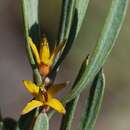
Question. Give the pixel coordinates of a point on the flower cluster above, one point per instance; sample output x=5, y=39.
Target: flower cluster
x=44, y=96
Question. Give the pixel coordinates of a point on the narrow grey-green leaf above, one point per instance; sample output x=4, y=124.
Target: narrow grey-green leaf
x=67, y=119
x=68, y=10
x=78, y=12
x=32, y=14
x=70, y=106
x=81, y=6
x=104, y=46
x=70, y=16
x=69, y=41
x=93, y=105
x=67, y=17
x=68, y=7
x=73, y=17
x=81, y=71
x=42, y=122
x=31, y=28
x=31, y=17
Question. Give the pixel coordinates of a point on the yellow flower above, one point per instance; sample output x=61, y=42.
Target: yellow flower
x=43, y=56
x=43, y=97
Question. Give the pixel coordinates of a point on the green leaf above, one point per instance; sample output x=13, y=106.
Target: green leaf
x=67, y=13
x=73, y=17
x=67, y=119
x=68, y=45
x=31, y=28
x=69, y=7
x=81, y=6
x=81, y=71
x=42, y=122
x=71, y=105
x=66, y=25
x=104, y=46
x=31, y=21
x=93, y=105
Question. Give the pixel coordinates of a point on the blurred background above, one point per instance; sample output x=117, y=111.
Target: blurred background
x=14, y=66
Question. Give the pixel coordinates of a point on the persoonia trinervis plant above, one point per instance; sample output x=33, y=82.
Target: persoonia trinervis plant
x=45, y=63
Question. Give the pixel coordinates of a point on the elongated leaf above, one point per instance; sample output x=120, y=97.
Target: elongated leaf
x=68, y=7
x=81, y=6
x=104, y=46
x=31, y=27
x=68, y=11
x=92, y=107
x=70, y=106
x=30, y=12
x=67, y=21
x=68, y=44
x=42, y=122
x=67, y=119
x=78, y=12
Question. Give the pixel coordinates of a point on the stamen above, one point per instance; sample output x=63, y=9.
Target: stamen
x=43, y=91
